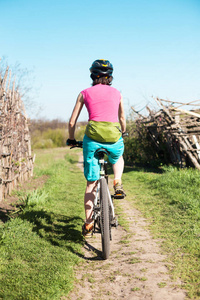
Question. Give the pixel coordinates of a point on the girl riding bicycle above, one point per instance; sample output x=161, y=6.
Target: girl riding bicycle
x=105, y=127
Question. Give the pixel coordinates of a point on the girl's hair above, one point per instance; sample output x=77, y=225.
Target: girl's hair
x=103, y=80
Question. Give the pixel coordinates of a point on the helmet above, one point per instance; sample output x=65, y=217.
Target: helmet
x=100, y=68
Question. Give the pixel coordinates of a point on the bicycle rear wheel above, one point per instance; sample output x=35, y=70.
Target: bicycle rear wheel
x=104, y=219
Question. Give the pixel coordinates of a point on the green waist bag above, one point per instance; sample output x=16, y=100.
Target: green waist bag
x=103, y=132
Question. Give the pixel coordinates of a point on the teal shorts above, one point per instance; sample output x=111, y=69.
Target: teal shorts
x=91, y=165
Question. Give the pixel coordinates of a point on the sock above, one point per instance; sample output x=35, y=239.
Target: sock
x=89, y=226
x=116, y=180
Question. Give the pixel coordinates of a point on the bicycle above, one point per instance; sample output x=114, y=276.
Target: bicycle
x=103, y=208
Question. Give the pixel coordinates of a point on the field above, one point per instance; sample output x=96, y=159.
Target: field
x=41, y=243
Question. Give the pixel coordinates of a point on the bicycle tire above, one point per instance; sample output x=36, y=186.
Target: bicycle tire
x=104, y=219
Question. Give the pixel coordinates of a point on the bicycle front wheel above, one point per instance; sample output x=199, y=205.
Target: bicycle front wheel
x=104, y=219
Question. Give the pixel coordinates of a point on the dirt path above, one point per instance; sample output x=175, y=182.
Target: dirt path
x=135, y=270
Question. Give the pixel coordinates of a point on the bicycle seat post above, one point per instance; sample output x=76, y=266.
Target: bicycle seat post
x=102, y=170
x=100, y=153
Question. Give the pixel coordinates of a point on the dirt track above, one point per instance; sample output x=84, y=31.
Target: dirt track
x=135, y=270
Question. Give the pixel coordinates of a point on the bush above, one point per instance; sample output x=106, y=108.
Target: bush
x=58, y=136
x=80, y=132
x=43, y=144
x=139, y=148
x=51, y=138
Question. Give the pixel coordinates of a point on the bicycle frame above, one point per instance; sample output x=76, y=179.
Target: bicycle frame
x=103, y=173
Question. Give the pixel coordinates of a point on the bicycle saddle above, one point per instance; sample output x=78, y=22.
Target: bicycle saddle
x=100, y=152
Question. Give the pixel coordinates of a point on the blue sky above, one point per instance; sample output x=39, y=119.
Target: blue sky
x=153, y=46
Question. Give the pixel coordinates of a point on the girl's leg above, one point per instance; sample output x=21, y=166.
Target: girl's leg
x=118, y=169
x=89, y=200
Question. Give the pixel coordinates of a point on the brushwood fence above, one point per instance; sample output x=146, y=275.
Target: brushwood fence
x=16, y=161
x=177, y=129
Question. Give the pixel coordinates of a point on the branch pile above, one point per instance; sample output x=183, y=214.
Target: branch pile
x=16, y=162
x=176, y=128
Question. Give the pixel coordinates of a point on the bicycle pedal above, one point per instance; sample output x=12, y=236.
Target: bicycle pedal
x=118, y=196
x=114, y=223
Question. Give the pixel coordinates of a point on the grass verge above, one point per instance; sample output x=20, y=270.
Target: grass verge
x=40, y=246
x=170, y=201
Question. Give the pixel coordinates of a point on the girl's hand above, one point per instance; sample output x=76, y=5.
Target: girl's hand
x=71, y=142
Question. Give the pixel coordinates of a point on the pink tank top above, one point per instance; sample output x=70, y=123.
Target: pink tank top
x=102, y=102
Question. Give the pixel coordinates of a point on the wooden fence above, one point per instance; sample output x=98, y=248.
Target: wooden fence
x=16, y=161
x=178, y=128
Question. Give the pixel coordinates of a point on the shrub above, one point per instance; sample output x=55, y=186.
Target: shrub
x=43, y=144
x=139, y=148
x=51, y=138
x=58, y=136
x=80, y=131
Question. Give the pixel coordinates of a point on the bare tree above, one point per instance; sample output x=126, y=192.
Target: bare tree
x=25, y=84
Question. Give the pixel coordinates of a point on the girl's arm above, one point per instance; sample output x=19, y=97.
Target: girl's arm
x=75, y=114
x=121, y=115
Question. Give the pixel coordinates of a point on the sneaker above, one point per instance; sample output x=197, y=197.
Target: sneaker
x=87, y=229
x=119, y=191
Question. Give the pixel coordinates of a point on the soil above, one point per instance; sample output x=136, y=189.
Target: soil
x=136, y=268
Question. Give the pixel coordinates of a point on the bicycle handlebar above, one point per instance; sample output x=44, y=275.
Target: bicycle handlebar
x=124, y=134
x=79, y=144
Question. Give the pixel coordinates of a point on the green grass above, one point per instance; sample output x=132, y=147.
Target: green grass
x=170, y=200
x=36, y=197
x=135, y=289
x=162, y=284
x=39, y=248
x=42, y=242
